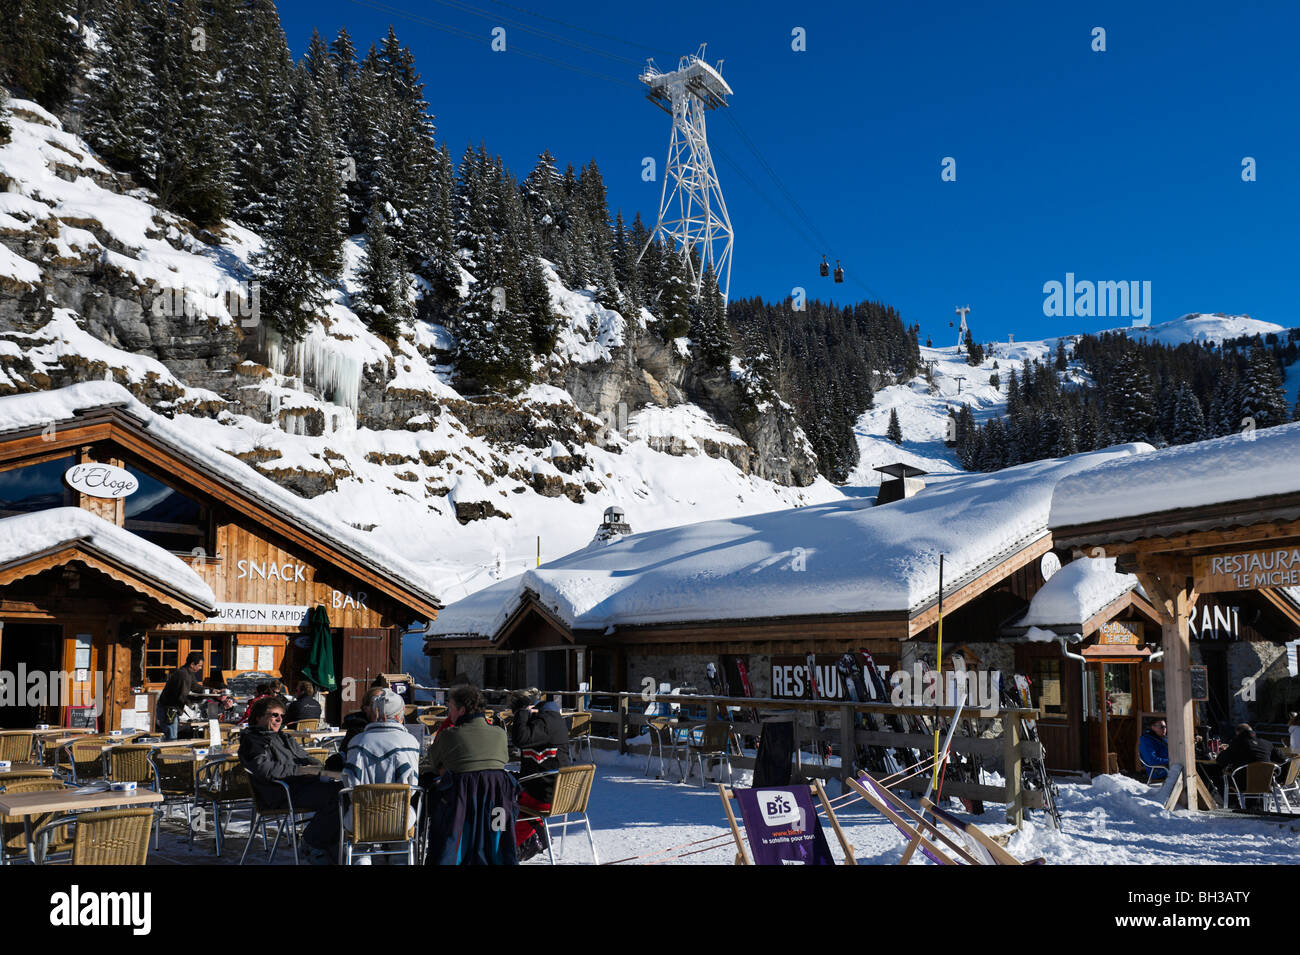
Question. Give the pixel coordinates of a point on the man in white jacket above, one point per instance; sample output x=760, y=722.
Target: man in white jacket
x=384, y=752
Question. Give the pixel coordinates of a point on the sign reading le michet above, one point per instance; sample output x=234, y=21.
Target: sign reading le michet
x=1248, y=570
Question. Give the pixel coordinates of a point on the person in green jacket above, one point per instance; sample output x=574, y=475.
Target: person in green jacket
x=471, y=743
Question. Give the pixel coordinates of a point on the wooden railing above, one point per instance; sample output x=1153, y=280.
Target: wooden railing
x=1007, y=749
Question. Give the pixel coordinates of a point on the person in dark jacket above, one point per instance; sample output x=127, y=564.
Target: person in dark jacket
x=1247, y=748
x=306, y=706
x=542, y=735
x=271, y=756
x=177, y=694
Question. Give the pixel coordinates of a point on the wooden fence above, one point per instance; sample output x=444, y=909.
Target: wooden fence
x=1007, y=748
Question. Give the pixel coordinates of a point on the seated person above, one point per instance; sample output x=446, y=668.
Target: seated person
x=542, y=735
x=353, y=723
x=469, y=761
x=305, y=707
x=1153, y=747
x=1247, y=748
x=385, y=751
x=272, y=756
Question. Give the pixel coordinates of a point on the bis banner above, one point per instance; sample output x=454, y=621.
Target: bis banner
x=782, y=828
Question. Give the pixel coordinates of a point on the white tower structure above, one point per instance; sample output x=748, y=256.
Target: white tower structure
x=691, y=208
x=961, y=331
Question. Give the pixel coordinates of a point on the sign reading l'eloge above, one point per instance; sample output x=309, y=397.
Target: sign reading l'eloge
x=101, y=480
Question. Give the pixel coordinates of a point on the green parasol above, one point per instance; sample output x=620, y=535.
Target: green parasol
x=320, y=664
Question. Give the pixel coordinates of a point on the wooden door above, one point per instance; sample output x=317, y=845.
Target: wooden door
x=366, y=654
x=1056, y=687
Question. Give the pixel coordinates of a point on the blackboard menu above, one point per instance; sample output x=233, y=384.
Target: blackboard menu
x=1200, y=684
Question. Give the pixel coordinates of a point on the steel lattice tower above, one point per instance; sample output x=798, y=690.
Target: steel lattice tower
x=692, y=212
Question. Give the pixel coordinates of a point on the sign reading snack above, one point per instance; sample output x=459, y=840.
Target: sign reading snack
x=1120, y=633
x=259, y=615
x=1248, y=570
x=101, y=480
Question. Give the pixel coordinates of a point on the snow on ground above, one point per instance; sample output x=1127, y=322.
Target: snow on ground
x=1200, y=327
x=1112, y=821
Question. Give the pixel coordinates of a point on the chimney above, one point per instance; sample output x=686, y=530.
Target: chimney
x=900, y=481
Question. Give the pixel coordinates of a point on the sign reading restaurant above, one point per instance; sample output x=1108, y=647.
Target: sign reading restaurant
x=1248, y=570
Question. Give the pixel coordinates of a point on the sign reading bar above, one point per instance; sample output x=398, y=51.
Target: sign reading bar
x=259, y=615
x=1248, y=570
x=1120, y=633
x=101, y=480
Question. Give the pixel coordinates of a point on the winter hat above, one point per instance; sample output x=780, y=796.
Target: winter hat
x=388, y=705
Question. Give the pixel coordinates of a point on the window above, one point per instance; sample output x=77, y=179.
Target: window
x=36, y=487
x=161, y=657
x=164, y=516
x=1048, y=680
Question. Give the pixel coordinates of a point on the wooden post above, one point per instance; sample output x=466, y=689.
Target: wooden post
x=848, y=747
x=1174, y=601
x=622, y=724
x=1011, y=768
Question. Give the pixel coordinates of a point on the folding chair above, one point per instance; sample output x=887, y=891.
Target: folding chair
x=572, y=793
x=925, y=835
x=979, y=843
x=742, y=857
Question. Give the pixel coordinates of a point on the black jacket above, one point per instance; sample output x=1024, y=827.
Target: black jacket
x=179, y=689
x=543, y=741
x=304, y=708
x=268, y=756
x=1246, y=748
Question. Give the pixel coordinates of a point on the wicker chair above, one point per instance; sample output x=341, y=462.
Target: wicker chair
x=1255, y=781
x=17, y=747
x=579, y=733
x=572, y=793
x=1288, y=785
x=381, y=813
x=224, y=784
x=83, y=759
x=177, y=781
x=661, y=731
x=112, y=837
x=304, y=726
x=285, y=817
x=320, y=753
x=13, y=834
x=23, y=775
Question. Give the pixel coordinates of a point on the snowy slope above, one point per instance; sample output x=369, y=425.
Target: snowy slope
x=397, y=489
x=1199, y=327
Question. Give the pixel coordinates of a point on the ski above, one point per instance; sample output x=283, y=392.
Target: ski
x=1034, y=773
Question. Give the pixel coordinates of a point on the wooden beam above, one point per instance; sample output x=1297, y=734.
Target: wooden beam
x=952, y=601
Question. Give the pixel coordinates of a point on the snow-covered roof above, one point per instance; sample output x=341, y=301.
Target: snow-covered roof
x=840, y=557
x=65, y=404
x=1076, y=592
x=1240, y=467
x=27, y=535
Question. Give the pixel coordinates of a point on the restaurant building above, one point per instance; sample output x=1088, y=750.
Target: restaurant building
x=127, y=542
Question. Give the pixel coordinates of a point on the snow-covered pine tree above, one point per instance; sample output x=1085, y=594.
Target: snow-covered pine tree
x=118, y=97
x=39, y=50
x=474, y=235
x=492, y=336
x=1130, y=399
x=1189, y=422
x=1223, y=418
x=1067, y=440
x=895, y=431
x=193, y=174
x=543, y=193
x=320, y=205
x=1060, y=355
x=440, y=258
x=382, y=300
x=1261, y=397
x=674, y=296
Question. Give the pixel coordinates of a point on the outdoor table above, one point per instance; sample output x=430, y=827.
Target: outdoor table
x=67, y=800
x=24, y=768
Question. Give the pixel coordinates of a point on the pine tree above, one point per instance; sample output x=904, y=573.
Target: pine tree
x=1261, y=397
x=117, y=105
x=1130, y=399
x=710, y=336
x=492, y=336
x=1060, y=355
x=39, y=50
x=1189, y=422
x=319, y=197
x=382, y=299
x=895, y=431
x=674, y=296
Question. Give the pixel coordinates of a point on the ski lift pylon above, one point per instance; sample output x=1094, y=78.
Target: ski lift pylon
x=839, y=272
x=824, y=268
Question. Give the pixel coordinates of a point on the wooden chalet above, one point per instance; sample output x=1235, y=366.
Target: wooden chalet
x=109, y=596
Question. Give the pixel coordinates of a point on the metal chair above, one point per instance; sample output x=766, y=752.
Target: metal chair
x=381, y=814
x=1289, y=785
x=709, y=744
x=1255, y=781
x=84, y=758
x=105, y=837
x=177, y=776
x=285, y=816
x=1152, y=769
x=580, y=733
x=572, y=793
x=661, y=730
x=224, y=784
x=131, y=763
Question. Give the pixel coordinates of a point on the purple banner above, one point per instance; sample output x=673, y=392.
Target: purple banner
x=782, y=827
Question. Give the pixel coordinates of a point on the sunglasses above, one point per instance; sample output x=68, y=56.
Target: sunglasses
x=275, y=716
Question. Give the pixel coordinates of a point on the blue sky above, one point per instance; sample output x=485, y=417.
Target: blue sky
x=1116, y=165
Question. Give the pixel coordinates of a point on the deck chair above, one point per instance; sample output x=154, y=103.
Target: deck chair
x=977, y=841
x=742, y=855
x=934, y=844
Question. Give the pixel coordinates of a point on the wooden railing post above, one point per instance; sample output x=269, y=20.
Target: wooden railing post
x=848, y=746
x=622, y=724
x=1011, y=768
